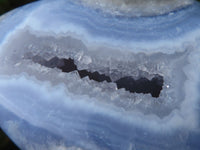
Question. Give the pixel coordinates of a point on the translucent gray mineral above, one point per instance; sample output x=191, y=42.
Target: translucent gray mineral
x=101, y=75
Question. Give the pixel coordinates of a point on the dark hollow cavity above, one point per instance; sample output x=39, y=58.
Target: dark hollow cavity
x=141, y=85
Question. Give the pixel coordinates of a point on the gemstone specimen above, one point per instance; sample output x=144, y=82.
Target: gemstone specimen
x=101, y=75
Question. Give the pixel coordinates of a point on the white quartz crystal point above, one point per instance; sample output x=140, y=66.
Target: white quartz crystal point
x=101, y=75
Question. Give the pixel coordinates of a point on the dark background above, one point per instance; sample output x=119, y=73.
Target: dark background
x=5, y=6
x=6, y=143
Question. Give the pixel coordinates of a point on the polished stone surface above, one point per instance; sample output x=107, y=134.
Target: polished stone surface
x=44, y=105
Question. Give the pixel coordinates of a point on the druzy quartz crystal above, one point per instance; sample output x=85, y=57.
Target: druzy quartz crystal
x=101, y=75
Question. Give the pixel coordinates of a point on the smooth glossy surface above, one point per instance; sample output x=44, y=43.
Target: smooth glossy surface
x=42, y=107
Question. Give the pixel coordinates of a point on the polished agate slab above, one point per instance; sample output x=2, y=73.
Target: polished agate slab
x=93, y=75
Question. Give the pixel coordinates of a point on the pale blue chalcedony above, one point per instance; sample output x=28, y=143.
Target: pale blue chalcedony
x=44, y=108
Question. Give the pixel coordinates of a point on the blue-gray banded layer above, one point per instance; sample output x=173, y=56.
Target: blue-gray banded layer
x=72, y=125
x=104, y=25
x=72, y=112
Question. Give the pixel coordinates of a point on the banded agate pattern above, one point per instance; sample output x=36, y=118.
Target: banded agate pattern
x=101, y=75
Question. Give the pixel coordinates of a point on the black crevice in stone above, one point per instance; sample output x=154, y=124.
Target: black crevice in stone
x=94, y=76
x=141, y=85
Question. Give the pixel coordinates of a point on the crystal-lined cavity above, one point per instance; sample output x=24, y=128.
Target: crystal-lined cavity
x=93, y=75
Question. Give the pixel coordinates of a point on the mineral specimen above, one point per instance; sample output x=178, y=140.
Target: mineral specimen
x=101, y=75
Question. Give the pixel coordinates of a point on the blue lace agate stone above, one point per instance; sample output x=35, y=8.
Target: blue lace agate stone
x=101, y=75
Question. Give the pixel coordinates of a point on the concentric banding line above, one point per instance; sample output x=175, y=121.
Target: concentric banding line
x=134, y=65
x=6, y=27
x=98, y=28
x=135, y=33
x=171, y=39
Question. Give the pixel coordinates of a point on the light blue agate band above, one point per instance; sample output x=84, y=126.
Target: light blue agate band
x=104, y=25
x=44, y=108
